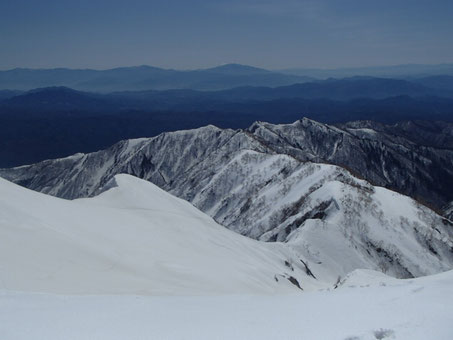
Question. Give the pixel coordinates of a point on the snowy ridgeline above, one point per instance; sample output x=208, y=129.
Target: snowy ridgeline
x=135, y=238
x=256, y=182
x=136, y=262
x=367, y=306
x=332, y=221
x=183, y=161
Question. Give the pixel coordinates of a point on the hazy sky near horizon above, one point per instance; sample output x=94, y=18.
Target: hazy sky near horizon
x=195, y=34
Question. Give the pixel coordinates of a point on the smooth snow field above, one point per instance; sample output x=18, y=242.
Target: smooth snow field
x=132, y=239
x=367, y=306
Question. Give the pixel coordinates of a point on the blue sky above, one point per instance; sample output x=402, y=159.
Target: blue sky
x=195, y=34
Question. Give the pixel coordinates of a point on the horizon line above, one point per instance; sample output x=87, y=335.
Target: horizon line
x=295, y=68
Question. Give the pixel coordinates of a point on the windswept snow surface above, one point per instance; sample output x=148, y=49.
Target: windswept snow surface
x=132, y=239
x=366, y=306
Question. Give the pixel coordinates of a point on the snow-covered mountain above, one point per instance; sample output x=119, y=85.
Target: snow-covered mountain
x=250, y=184
x=135, y=238
x=91, y=265
x=373, y=151
x=132, y=239
x=392, y=156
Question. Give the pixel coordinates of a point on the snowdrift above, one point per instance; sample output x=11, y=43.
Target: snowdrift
x=133, y=238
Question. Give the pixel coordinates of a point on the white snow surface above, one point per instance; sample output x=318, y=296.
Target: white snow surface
x=132, y=239
x=137, y=263
x=367, y=306
x=135, y=238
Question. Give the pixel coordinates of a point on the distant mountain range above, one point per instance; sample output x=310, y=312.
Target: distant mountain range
x=335, y=89
x=58, y=121
x=145, y=78
x=227, y=76
x=247, y=99
x=393, y=71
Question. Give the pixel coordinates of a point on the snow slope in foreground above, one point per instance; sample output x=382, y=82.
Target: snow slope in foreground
x=132, y=239
x=367, y=306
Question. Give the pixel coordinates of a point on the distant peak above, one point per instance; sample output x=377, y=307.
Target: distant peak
x=306, y=121
x=238, y=68
x=53, y=89
x=256, y=125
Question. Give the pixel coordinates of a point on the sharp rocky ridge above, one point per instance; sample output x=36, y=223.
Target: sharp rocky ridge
x=273, y=183
x=396, y=157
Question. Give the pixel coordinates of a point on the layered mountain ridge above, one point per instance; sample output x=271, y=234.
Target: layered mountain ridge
x=175, y=160
x=56, y=122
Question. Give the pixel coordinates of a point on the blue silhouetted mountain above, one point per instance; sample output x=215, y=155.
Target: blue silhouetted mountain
x=61, y=100
x=238, y=69
x=442, y=82
x=5, y=94
x=145, y=78
x=393, y=71
x=358, y=96
x=338, y=89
